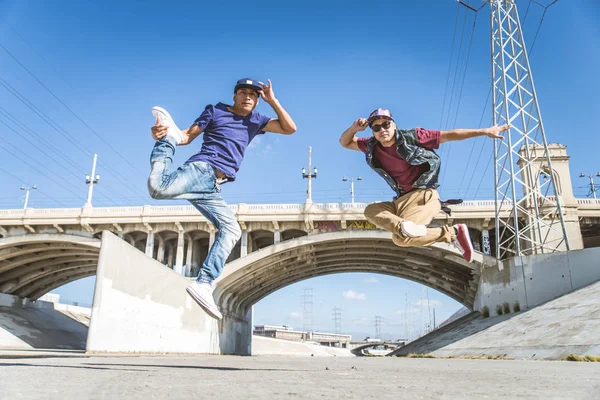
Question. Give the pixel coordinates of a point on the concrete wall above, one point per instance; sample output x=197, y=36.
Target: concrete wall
x=534, y=280
x=25, y=325
x=141, y=306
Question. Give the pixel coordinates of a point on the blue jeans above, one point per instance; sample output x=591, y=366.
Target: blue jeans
x=195, y=182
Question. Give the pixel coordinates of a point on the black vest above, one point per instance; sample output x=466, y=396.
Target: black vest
x=407, y=147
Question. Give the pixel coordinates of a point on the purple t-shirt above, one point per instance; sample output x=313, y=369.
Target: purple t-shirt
x=226, y=137
x=403, y=173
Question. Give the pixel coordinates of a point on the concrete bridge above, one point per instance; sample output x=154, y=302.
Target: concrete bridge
x=41, y=249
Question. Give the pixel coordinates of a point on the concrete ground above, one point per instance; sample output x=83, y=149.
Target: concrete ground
x=231, y=377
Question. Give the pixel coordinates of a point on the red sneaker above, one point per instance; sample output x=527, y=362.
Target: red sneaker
x=463, y=241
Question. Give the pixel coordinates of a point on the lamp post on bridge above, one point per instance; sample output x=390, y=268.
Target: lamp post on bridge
x=309, y=175
x=27, y=189
x=92, y=180
x=351, y=187
x=592, y=186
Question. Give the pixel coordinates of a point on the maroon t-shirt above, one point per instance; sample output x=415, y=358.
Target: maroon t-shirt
x=403, y=173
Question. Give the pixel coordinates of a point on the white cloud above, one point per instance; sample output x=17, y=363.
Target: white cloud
x=424, y=303
x=371, y=280
x=408, y=311
x=296, y=315
x=255, y=142
x=352, y=295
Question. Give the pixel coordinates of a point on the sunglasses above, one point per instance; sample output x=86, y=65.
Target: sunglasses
x=385, y=125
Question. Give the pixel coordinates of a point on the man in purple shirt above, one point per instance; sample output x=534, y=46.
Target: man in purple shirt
x=406, y=160
x=228, y=130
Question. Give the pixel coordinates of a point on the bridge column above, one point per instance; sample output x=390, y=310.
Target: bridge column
x=485, y=242
x=178, y=267
x=244, y=244
x=277, y=237
x=188, y=257
x=150, y=244
x=160, y=254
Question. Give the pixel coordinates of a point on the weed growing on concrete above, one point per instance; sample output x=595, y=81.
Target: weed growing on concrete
x=414, y=355
x=499, y=309
x=573, y=357
x=485, y=312
x=516, y=307
x=506, y=308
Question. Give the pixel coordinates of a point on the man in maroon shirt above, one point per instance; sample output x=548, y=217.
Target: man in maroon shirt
x=406, y=160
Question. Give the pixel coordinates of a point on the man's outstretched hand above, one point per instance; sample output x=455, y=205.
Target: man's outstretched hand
x=494, y=131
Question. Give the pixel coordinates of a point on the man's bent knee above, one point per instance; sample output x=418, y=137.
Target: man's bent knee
x=371, y=211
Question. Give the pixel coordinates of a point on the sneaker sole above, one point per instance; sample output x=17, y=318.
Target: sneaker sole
x=204, y=306
x=418, y=231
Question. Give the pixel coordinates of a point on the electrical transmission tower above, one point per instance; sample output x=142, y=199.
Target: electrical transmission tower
x=529, y=218
x=307, y=304
x=337, y=319
x=378, y=322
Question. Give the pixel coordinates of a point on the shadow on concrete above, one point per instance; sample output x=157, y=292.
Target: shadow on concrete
x=455, y=331
x=202, y=367
x=42, y=328
x=67, y=366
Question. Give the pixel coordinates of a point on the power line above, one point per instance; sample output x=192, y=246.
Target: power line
x=71, y=111
x=63, y=132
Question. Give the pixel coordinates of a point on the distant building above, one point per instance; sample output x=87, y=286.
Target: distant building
x=287, y=333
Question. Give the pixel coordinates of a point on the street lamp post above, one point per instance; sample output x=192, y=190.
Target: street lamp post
x=27, y=189
x=592, y=186
x=92, y=180
x=310, y=175
x=351, y=187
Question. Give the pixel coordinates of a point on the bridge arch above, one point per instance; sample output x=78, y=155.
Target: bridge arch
x=247, y=280
x=32, y=265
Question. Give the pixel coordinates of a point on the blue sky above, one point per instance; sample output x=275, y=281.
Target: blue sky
x=97, y=68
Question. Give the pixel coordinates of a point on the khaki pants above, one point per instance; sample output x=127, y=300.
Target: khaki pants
x=419, y=206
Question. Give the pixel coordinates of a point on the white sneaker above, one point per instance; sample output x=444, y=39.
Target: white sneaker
x=165, y=119
x=413, y=230
x=202, y=293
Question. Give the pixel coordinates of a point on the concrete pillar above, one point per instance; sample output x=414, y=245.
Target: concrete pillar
x=170, y=256
x=277, y=237
x=244, y=244
x=179, y=258
x=160, y=254
x=485, y=242
x=150, y=244
x=188, y=257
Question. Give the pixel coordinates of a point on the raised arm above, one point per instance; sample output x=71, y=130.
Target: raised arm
x=284, y=124
x=348, y=138
x=461, y=134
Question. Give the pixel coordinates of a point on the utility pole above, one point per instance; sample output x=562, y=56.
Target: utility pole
x=535, y=222
x=27, y=189
x=309, y=175
x=337, y=319
x=92, y=180
x=592, y=185
x=351, y=187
